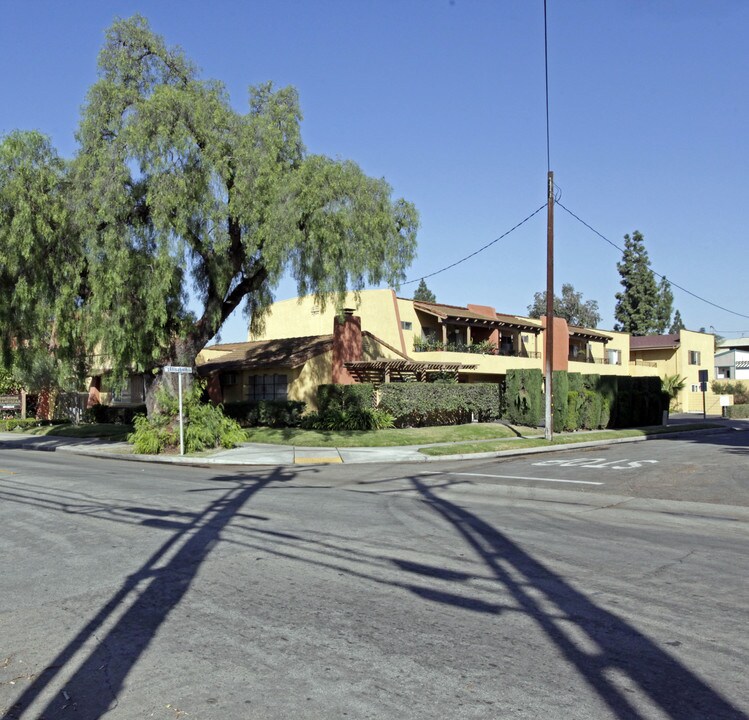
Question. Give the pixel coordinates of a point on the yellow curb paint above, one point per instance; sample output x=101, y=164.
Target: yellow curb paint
x=312, y=460
x=8, y=472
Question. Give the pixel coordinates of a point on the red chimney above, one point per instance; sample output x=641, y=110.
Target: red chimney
x=347, y=345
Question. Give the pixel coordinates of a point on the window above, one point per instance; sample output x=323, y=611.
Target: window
x=407, y=325
x=614, y=357
x=267, y=387
x=228, y=379
x=723, y=373
x=696, y=388
x=694, y=357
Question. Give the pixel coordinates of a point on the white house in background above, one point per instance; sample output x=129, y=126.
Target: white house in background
x=732, y=360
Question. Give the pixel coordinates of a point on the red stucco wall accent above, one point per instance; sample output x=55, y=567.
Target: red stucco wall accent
x=561, y=344
x=213, y=388
x=347, y=346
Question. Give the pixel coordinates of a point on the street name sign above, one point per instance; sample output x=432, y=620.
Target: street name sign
x=182, y=370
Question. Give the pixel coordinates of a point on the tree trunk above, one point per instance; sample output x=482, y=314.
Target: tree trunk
x=183, y=353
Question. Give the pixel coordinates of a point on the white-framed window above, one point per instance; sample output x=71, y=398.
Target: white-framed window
x=405, y=325
x=696, y=388
x=694, y=357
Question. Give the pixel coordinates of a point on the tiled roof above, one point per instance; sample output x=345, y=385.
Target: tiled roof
x=284, y=353
x=653, y=342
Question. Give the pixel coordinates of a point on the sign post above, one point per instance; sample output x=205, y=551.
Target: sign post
x=703, y=387
x=180, y=370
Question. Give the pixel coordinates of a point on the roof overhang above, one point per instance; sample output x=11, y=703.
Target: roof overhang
x=589, y=334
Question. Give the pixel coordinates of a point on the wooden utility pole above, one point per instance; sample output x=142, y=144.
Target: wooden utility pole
x=549, y=415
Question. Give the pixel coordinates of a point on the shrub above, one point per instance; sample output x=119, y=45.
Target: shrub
x=205, y=425
x=351, y=419
x=269, y=413
x=18, y=424
x=524, y=397
x=737, y=411
x=737, y=389
x=423, y=404
x=344, y=397
x=561, y=392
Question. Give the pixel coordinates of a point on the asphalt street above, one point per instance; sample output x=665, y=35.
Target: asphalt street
x=598, y=583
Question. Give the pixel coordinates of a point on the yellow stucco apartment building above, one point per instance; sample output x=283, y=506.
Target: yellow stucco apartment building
x=384, y=338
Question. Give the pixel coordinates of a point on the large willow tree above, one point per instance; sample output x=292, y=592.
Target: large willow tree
x=173, y=194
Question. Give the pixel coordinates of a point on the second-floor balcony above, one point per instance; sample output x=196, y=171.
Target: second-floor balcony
x=478, y=348
x=596, y=360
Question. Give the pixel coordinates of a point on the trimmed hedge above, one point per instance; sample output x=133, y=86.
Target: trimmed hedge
x=345, y=397
x=268, y=413
x=426, y=404
x=524, y=397
x=561, y=384
x=737, y=411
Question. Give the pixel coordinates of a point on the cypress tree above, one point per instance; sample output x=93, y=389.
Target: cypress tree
x=637, y=305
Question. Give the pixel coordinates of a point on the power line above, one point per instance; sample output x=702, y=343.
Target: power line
x=546, y=71
x=481, y=249
x=676, y=285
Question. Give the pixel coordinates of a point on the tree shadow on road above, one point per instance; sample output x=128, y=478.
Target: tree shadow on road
x=125, y=626
x=621, y=651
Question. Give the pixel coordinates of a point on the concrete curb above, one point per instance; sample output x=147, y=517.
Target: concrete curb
x=378, y=455
x=572, y=446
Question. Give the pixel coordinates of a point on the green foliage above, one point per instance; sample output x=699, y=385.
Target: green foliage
x=205, y=425
x=352, y=418
x=570, y=307
x=425, y=404
x=673, y=385
x=16, y=423
x=172, y=184
x=726, y=387
x=424, y=294
x=41, y=260
x=266, y=413
x=737, y=411
x=677, y=324
x=483, y=347
x=560, y=381
x=637, y=305
x=345, y=397
x=524, y=397
x=664, y=307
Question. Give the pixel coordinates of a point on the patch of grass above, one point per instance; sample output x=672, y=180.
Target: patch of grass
x=94, y=430
x=567, y=439
x=384, y=438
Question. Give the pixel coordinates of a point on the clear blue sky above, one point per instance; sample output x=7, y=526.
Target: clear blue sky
x=445, y=99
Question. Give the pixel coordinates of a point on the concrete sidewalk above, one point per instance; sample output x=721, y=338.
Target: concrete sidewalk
x=274, y=455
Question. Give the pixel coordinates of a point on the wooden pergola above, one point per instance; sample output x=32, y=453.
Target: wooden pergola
x=385, y=370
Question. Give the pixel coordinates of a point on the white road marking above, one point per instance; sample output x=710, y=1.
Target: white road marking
x=514, y=477
x=598, y=463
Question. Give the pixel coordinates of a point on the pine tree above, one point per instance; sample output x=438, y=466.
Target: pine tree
x=424, y=294
x=637, y=305
x=665, y=306
x=677, y=324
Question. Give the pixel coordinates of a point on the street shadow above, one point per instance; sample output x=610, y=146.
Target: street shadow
x=125, y=626
x=619, y=648
x=734, y=437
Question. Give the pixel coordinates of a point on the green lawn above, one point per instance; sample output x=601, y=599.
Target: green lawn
x=94, y=430
x=385, y=438
x=569, y=439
